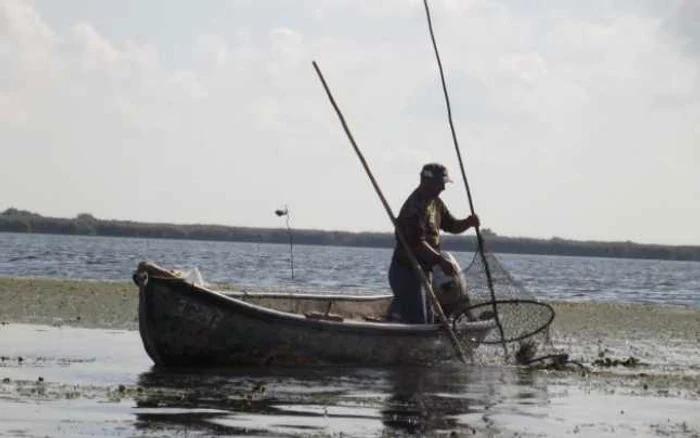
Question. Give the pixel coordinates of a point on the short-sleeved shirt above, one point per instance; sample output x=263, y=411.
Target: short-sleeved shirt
x=421, y=219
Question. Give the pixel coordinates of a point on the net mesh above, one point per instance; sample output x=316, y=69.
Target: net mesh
x=523, y=318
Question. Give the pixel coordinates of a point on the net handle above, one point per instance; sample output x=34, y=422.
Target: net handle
x=479, y=239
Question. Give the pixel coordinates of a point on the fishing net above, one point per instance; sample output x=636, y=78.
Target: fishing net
x=520, y=313
x=524, y=320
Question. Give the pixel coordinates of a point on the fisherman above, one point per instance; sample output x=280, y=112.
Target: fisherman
x=420, y=220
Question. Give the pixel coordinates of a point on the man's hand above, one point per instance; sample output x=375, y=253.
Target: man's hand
x=473, y=221
x=447, y=266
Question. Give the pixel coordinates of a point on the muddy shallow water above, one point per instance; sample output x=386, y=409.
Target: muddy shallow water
x=68, y=382
x=72, y=363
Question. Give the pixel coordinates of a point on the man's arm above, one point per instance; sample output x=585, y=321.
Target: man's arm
x=456, y=226
x=430, y=255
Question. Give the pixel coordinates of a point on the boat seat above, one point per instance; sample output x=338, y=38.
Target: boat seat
x=324, y=316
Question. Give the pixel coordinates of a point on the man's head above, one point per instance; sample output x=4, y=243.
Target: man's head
x=433, y=177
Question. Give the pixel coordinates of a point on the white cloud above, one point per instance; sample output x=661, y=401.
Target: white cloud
x=214, y=49
x=528, y=67
x=573, y=122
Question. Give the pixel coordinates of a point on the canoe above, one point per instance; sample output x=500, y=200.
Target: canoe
x=186, y=324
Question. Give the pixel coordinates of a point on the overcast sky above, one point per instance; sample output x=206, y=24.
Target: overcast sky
x=575, y=119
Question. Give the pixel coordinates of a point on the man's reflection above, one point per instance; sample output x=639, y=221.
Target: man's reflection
x=425, y=400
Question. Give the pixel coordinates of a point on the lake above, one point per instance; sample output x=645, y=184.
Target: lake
x=354, y=270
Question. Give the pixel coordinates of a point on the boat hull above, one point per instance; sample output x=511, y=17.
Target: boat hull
x=182, y=324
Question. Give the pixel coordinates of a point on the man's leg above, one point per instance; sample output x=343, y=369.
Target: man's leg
x=409, y=298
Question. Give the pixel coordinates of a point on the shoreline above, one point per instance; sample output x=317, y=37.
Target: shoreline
x=114, y=304
x=79, y=303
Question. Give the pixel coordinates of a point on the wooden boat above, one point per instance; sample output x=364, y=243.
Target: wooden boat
x=183, y=324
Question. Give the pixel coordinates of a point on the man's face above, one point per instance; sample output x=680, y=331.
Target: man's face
x=434, y=186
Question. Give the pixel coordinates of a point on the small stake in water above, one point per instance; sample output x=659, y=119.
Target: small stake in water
x=285, y=212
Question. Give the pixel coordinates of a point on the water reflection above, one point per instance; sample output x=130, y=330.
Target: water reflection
x=424, y=400
x=324, y=401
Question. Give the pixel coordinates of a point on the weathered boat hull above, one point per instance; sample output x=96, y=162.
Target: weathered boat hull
x=182, y=324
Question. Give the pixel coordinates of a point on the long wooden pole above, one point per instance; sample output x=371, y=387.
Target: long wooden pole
x=479, y=239
x=402, y=240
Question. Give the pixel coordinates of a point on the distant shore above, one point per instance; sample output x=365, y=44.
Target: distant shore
x=20, y=221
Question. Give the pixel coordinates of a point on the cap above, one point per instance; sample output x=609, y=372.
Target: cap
x=436, y=172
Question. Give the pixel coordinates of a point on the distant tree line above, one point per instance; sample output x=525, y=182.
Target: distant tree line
x=22, y=221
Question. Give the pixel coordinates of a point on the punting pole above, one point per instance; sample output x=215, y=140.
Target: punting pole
x=479, y=239
x=414, y=262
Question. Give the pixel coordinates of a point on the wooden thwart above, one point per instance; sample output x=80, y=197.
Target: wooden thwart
x=324, y=316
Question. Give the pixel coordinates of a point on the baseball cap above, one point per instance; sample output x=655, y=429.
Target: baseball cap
x=435, y=171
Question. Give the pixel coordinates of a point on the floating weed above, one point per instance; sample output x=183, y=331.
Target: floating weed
x=525, y=355
x=526, y=352
x=607, y=362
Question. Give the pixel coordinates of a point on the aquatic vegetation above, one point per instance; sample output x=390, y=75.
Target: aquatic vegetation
x=526, y=352
x=630, y=362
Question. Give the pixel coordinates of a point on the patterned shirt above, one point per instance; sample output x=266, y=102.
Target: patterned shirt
x=421, y=219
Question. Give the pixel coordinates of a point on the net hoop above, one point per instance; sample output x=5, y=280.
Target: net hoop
x=462, y=313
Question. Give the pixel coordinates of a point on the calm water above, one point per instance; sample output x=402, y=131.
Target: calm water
x=354, y=270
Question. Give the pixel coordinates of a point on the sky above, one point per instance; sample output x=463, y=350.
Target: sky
x=577, y=120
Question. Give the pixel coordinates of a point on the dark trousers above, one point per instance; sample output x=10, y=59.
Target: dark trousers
x=409, y=304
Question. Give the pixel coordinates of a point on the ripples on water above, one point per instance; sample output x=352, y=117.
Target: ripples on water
x=356, y=270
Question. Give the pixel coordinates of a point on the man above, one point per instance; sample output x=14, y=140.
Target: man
x=420, y=220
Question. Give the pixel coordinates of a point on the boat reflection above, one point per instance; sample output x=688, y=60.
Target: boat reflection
x=328, y=401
